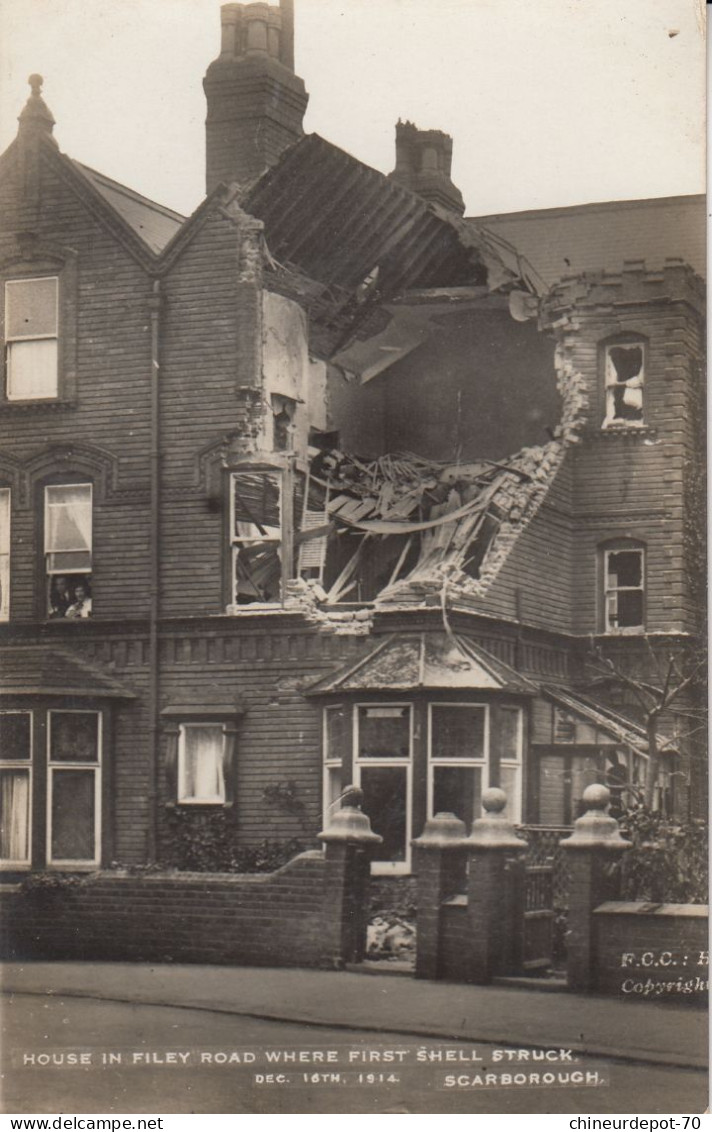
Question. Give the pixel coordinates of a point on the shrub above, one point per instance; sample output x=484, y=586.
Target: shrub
x=668, y=861
x=205, y=843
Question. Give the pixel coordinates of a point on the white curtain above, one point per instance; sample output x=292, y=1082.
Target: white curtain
x=14, y=815
x=201, y=767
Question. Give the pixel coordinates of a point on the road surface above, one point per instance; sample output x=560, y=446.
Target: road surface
x=73, y=1055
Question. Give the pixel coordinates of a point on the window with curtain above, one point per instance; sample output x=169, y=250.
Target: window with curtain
x=31, y=333
x=15, y=787
x=4, y=553
x=68, y=549
x=624, y=379
x=201, y=763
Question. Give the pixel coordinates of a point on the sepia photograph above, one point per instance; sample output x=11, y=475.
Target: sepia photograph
x=353, y=568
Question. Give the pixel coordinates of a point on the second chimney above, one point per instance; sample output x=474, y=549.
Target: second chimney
x=423, y=164
x=256, y=103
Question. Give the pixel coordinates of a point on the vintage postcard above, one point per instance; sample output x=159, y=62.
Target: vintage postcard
x=352, y=558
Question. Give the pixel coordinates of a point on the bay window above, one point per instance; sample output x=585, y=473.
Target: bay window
x=50, y=765
x=457, y=759
x=337, y=750
x=383, y=770
x=74, y=787
x=15, y=788
x=414, y=760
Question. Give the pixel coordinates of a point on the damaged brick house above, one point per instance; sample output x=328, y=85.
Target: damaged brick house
x=322, y=484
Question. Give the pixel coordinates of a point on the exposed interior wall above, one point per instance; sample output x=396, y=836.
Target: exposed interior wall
x=357, y=412
x=482, y=386
x=286, y=370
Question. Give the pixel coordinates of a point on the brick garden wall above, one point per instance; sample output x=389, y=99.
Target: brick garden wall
x=651, y=951
x=296, y=916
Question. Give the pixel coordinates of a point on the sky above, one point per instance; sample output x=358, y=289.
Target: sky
x=549, y=102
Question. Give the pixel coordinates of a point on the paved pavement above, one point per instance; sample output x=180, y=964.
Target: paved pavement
x=652, y=1032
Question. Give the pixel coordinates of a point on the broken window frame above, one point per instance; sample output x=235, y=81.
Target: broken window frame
x=56, y=766
x=19, y=765
x=610, y=592
x=14, y=344
x=282, y=406
x=479, y=762
x=283, y=477
x=405, y=762
x=611, y=384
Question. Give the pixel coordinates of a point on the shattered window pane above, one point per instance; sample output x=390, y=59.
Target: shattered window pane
x=624, y=596
x=624, y=384
x=256, y=505
x=256, y=537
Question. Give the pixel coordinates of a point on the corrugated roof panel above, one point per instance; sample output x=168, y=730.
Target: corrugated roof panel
x=337, y=219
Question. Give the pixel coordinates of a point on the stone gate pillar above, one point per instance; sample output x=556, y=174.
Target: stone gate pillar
x=440, y=861
x=592, y=849
x=491, y=845
x=349, y=842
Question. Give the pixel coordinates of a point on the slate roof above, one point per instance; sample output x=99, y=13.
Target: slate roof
x=595, y=237
x=405, y=662
x=153, y=223
x=30, y=670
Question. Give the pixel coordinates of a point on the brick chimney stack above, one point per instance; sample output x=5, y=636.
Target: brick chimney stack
x=255, y=101
x=423, y=164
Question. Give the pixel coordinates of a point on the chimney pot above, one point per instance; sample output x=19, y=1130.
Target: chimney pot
x=255, y=101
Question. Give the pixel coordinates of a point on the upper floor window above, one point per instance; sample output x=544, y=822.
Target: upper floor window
x=4, y=553
x=256, y=535
x=68, y=549
x=31, y=330
x=624, y=589
x=624, y=374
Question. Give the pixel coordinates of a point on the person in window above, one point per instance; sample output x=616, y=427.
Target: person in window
x=81, y=606
x=60, y=597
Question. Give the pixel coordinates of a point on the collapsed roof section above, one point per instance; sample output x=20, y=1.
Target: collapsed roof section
x=394, y=529
x=345, y=240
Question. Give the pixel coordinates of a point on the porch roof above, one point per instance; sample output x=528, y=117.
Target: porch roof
x=621, y=728
x=33, y=670
x=405, y=662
